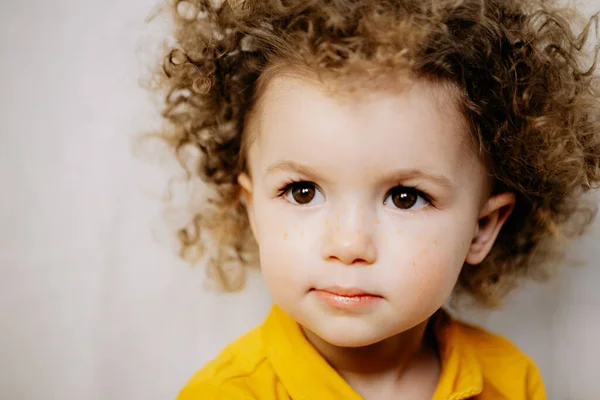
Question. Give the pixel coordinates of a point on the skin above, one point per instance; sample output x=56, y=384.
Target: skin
x=354, y=155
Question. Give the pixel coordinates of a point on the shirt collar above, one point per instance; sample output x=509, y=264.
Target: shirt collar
x=304, y=372
x=461, y=376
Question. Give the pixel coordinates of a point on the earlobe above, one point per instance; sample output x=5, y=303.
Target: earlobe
x=491, y=219
x=245, y=183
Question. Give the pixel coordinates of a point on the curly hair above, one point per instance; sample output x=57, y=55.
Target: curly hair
x=528, y=92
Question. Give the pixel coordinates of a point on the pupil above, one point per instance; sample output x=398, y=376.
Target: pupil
x=404, y=199
x=303, y=194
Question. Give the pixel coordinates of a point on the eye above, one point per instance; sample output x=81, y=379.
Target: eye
x=406, y=198
x=303, y=193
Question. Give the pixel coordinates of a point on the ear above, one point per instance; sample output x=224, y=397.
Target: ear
x=245, y=183
x=493, y=215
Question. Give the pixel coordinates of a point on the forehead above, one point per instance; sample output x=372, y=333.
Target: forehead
x=419, y=126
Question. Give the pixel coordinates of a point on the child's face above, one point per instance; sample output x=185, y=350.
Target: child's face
x=389, y=199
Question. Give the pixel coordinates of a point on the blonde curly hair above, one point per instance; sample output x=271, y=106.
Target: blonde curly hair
x=527, y=90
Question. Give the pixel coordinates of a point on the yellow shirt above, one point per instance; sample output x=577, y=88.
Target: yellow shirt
x=275, y=361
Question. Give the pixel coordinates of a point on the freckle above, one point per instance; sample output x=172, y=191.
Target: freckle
x=326, y=222
x=378, y=222
x=435, y=241
x=301, y=233
x=285, y=236
x=337, y=228
x=398, y=231
x=414, y=264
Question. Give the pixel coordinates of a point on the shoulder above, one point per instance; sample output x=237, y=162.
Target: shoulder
x=490, y=347
x=231, y=375
x=210, y=390
x=505, y=367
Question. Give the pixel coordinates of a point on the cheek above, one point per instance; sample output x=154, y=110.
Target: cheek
x=426, y=262
x=284, y=242
x=436, y=269
x=425, y=267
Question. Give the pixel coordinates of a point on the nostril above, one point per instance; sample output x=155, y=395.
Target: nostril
x=349, y=262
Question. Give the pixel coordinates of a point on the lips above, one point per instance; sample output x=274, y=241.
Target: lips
x=347, y=292
x=346, y=298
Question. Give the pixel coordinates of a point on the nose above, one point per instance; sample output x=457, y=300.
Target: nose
x=350, y=241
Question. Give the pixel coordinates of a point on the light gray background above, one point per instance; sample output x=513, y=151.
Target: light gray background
x=91, y=305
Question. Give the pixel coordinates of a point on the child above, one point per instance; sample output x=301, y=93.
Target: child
x=382, y=155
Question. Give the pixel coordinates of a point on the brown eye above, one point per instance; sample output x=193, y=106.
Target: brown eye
x=304, y=193
x=405, y=198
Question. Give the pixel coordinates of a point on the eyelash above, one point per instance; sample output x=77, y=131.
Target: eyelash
x=290, y=184
x=287, y=187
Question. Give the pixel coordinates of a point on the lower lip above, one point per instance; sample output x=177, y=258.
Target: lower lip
x=346, y=302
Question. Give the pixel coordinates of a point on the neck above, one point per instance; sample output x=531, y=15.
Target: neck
x=388, y=360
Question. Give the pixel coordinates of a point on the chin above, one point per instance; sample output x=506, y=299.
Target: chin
x=343, y=337
x=352, y=342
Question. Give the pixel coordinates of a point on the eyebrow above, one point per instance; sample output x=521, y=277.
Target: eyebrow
x=408, y=174
x=283, y=166
x=398, y=175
